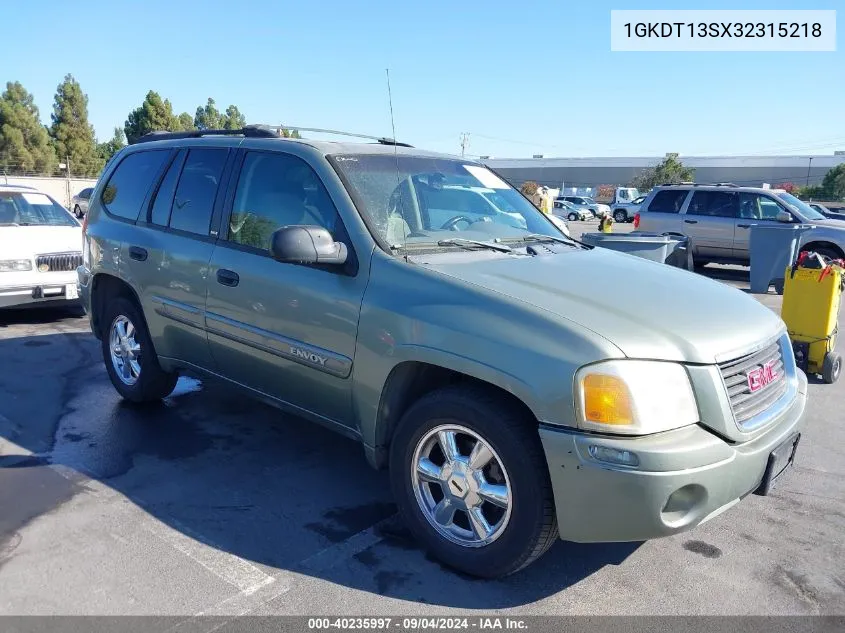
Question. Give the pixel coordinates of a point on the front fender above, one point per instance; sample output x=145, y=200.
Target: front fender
x=414, y=314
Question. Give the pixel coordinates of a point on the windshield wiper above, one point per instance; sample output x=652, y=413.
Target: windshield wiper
x=460, y=241
x=539, y=237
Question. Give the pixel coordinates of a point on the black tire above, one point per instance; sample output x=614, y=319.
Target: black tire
x=831, y=367
x=152, y=383
x=830, y=254
x=620, y=216
x=572, y=217
x=532, y=527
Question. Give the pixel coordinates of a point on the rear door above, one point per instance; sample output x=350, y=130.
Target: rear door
x=168, y=260
x=754, y=208
x=710, y=222
x=663, y=212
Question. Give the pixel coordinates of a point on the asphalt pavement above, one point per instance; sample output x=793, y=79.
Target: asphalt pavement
x=211, y=503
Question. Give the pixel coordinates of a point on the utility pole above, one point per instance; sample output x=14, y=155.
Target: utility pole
x=464, y=143
x=810, y=164
x=67, y=171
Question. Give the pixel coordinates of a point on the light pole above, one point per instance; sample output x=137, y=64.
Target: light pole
x=809, y=164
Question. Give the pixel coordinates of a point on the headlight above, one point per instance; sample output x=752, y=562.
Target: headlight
x=15, y=265
x=634, y=397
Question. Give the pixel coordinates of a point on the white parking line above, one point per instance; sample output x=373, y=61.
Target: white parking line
x=233, y=569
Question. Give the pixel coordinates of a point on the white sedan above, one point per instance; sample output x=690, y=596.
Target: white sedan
x=40, y=249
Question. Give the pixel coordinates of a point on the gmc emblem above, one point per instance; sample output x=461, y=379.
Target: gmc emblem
x=762, y=376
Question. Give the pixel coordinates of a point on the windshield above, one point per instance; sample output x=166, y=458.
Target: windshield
x=419, y=200
x=802, y=207
x=32, y=209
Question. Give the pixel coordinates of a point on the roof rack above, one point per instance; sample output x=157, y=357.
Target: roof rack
x=378, y=139
x=698, y=184
x=249, y=131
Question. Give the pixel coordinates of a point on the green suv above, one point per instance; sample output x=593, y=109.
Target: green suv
x=513, y=402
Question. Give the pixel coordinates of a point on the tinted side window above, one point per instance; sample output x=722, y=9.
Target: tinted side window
x=668, y=201
x=720, y=204
x=276, y=190
x=753, y=206
x=125, y=191
x=85, y=193
x=164, y=196
x=197, y=190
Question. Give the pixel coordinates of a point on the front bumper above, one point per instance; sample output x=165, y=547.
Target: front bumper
x=40, y=288
x=684, y=478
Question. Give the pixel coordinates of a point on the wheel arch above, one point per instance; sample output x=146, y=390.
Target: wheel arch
x=817, y=244
x=104, y=285
x=410, y=380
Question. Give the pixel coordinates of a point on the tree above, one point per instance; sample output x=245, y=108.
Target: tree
x=73, y=135
x=287, y=133
x=234, y=120
x=154, y=114
x=529, y=188
x=24, y=141
x=669, y=170
x=184, y=123
x=208, y=117
x=833, y=184
x=108, y=149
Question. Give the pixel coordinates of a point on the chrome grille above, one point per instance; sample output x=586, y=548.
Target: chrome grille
x=744, y=402
x=59, y=262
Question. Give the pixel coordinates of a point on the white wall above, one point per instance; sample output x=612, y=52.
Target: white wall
x=61, y=189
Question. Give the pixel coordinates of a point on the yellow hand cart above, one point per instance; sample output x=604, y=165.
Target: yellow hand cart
x=811, y=298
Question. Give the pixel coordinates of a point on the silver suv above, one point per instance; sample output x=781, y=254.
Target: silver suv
x=718, y=219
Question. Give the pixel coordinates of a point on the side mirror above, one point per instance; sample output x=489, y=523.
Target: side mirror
x=306, y=245
x=784, y=217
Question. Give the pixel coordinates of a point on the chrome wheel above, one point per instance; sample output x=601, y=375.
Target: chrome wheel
x=461, y=486
x=125, y=350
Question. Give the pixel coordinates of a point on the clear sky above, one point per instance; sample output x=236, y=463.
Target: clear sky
x=520, y=76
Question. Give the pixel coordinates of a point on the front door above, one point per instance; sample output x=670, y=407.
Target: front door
x=754, y=208
x=710, y=221
x=285, y=330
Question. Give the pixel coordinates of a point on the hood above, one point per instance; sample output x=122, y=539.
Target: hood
x=831, y=222
x=23, y=242
x=648, y=310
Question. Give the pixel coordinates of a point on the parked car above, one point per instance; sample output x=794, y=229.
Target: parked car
x=626, y=211
x=833, y=214
x=79, y=203
x=40, y=249
x=596, y=208
x=512, y=401
x=718, y=219
x=571, y=212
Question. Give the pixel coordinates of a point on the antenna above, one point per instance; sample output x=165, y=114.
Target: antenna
x=464, y=142
x=398, y=180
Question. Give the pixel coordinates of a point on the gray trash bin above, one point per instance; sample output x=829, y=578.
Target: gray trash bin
x=773, y=247
x=668, y=249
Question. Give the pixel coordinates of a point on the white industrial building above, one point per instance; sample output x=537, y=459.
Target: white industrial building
x=592, y=172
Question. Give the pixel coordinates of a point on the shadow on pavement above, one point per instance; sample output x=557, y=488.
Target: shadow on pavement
x=234, y=474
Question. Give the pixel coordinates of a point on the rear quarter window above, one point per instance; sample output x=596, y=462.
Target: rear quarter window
x=668, y=201
x=127, y=187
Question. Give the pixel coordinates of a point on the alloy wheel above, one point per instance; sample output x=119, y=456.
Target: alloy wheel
x=461, y=486
x=125, y=350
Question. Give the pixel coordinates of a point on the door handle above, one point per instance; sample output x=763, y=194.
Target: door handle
x=137, y=253
x=744, y=226
x=691, y=221
x=227, y=277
